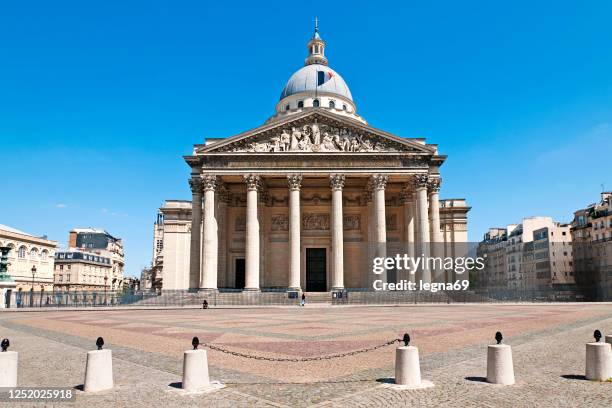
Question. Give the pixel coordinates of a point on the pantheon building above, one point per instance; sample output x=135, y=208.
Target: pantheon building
x=307, y=200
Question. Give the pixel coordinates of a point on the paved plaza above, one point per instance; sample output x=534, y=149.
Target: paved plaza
x=547, y=339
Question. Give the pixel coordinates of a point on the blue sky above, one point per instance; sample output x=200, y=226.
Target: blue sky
x=100, y=101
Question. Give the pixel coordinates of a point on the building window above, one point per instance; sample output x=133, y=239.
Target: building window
x=287, y=107
x=300, y=104
x=344, y=107
x=22, y=252
x=315, y=103
x=332, y=105
x=43, y=255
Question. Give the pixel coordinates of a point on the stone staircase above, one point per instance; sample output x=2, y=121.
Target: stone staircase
x=317, y=297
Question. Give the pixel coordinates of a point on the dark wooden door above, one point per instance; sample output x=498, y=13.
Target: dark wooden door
x=316, y=270
x=240, y=268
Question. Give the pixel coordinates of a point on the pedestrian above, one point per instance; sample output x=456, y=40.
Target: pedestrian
x=303, y=303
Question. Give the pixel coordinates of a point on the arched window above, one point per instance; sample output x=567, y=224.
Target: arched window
x=22, y=252
x=11, y=251
x=287, y=107
x=344, y=107
x=43, y=255
x=34, y=254
x=300, y=104
x=332, y=104
x=315, y=103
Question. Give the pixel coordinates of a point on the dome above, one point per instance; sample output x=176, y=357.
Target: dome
x=307, y=77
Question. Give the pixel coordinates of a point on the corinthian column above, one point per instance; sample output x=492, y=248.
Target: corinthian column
x=210, y=251
x=337, y=183
x=196, y=219
x=420, y=185
x=379, y=182
x=252, y=234
x=437, y=251
x=408, y=202
x=295, y=181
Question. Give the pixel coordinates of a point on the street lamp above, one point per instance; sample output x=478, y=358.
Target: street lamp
x=105, y=288
x=32, y=291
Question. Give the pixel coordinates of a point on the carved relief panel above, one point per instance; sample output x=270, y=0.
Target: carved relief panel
x=316, y=137
x=279, y=222
x=315, y=222
x=352, y=222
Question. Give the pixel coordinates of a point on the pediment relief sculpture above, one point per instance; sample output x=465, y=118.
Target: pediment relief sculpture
x=315, y=137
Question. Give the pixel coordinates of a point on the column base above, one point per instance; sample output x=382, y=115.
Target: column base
x=251, y=290
x=338, y=289
x=297, y=289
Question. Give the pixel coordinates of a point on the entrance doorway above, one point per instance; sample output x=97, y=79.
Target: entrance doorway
x=239, y=268
x=316, y=271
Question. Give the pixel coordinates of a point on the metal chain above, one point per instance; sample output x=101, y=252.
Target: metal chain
x=299, y=360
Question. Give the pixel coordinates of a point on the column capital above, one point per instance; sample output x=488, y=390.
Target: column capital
x=380, y=181
x=337, y=181
x=209, y=182
x=420, y=181
x=253, y=181
x=195, y=183
x=295, y=181
x=434, y=185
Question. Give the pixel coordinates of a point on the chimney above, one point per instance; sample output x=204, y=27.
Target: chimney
x=72, y=239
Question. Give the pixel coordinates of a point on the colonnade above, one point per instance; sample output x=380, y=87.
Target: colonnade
x=421, y=214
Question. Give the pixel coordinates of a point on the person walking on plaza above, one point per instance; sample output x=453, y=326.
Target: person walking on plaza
x=303, y=303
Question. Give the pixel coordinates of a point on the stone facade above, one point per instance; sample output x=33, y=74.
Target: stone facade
x=305, y=201
x=536, y=254
x=82, y=271
x=592, y=236
x=100, y=242
x=27, y=252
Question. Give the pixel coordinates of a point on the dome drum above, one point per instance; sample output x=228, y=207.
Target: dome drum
x=316, y=85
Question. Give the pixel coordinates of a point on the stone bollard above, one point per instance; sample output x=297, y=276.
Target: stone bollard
x=500, y=369
x=99, y=369
x=8, y=366
x=195, y=368
x=407, y=367
x=598, y=359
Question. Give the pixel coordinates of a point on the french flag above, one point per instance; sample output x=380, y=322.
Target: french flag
x=323, y=77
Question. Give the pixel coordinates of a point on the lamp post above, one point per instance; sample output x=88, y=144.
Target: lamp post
x=32, y=290
x=105, y=288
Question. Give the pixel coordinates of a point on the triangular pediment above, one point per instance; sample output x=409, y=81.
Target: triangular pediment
x=316, y=132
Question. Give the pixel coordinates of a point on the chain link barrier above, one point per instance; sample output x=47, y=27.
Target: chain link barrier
x=299, y=360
